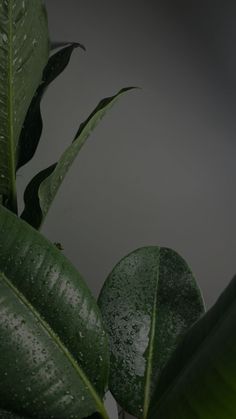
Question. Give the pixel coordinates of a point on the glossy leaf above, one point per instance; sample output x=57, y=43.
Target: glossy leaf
x=200, y=379
x=4, y=414
x=57, y=317
x=24, y=49
x=33, y=125
x=42, y=190
x=148, y=301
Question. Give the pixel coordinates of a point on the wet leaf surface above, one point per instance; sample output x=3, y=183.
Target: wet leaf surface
x=24, y=49
x=53, y=348
x=148, y=302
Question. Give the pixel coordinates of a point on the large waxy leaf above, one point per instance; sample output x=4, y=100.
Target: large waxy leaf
x=148, y=301
x=24, y=50
x=46, y=290
x=33, y=124
x=42, y=190
x=9, y=415
x=200, y=379
x=39, y=377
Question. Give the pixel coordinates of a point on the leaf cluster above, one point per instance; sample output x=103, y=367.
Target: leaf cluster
x=147, y=339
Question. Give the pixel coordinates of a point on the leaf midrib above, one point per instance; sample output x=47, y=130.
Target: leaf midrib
x=57, y=341
x=10, y=115
x=150, y=347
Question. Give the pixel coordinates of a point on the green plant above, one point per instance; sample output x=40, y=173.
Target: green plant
x=148, y=338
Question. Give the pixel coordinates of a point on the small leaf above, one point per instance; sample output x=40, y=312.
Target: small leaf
x=45, y=307
x=199, y=380
x=148, y=302
x=42, y=189
x=33, y=125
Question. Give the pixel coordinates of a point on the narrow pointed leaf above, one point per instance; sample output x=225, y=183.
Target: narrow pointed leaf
x=148, y=301
x=33, y=125
x=24, y=48
x=42, y=190
x=60, y=44
x=55, y=291
x=199, y=380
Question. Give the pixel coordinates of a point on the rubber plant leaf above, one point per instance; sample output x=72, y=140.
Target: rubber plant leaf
x=9, y=415
x=53, y=348
x=42, y=189
x=199, y=380
x=24, y=49
x=33, y=124
x=148, y=302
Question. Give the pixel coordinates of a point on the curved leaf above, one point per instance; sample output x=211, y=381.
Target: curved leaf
x=42, y=189
x=32, y=212
x=199, y=380
x=24, y=48
x=57, y=296
x=33, y=125
x=60, y=44
x=148, y=301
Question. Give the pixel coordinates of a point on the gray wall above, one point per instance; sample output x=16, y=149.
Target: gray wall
x=160, y=169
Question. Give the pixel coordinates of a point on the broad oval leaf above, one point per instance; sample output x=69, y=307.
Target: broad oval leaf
x=39, y=377
x=24, y=48
x=42, y=189
x=148, y=301
x=33, y=124
x=199, y=380
x=39, y=272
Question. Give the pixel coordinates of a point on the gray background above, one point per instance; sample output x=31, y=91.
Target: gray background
x=160, y=168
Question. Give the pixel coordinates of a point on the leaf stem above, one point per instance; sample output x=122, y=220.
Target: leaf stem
x=104, y=413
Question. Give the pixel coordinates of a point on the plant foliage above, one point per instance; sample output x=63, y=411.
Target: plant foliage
x=147, y=339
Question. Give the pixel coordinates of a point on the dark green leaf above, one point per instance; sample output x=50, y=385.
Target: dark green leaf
x=199, y=380
x=8, y=415
x=32, y=213
x=148, y=301
x=33, y=125
x=49, y=318
x=42, y=189
x=24, y=49
x=94, y=416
